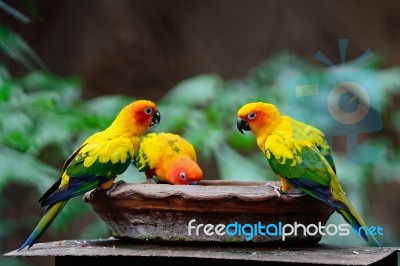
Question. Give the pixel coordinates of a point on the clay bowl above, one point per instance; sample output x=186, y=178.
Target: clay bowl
x=162, y=213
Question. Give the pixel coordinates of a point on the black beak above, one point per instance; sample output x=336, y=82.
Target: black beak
x=242, y=125
x=156, y=118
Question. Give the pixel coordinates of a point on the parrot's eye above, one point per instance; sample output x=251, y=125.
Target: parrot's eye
x=148, y=110
x=183, y=176
x=251, y=116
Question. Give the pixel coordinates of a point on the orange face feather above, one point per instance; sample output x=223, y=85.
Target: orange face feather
x=183, y=171
x=258, y=117
x=141, y=113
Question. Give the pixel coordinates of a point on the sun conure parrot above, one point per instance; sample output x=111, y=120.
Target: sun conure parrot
x=169, y=157
x=299, y=154
x=98, y=161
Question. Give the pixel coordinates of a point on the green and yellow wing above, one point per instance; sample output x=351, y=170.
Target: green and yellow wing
x=96, y=162
x=316, y=136
x=303, y=165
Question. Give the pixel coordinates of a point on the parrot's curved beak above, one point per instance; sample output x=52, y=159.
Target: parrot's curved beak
x=242, y=125
x=156, y=118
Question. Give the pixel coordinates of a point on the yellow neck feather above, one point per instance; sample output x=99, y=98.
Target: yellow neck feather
x=125, y=125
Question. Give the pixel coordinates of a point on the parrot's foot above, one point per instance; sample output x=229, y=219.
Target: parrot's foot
x=114, y=186
x=295, y=192
x=277, y=189
x=93, y=192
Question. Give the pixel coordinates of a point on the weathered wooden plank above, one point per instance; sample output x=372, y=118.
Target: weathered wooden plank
x=320, y=254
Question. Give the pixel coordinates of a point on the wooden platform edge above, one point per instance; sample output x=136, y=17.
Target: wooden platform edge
x=321, y=254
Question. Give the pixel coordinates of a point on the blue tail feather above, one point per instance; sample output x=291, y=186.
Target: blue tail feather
x=49, y=216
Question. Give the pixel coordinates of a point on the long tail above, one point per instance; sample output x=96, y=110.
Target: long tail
x=350, y=214
x=51, y=213
x=341, y=203
x=353, y=218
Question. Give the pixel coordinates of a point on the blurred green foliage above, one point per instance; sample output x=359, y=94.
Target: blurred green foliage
x=13, y=46
x=41, y=115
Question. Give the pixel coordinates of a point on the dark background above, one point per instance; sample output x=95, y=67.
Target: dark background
x=144, y=48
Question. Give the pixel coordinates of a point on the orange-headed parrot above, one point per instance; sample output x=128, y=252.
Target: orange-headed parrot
x=169, y=157
x=98, y=161
x=299, y=154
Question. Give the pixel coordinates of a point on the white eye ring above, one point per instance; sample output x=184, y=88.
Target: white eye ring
x=148, y=110
x=251, y=116
x=183, y=176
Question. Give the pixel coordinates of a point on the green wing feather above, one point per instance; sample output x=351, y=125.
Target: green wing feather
x=311, y=169
x=107, y=169
x=111, y=160
x=313, y=175
x=316, y=136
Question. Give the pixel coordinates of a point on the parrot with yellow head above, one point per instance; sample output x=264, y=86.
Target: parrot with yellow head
x=299, y=154
x=98, y=161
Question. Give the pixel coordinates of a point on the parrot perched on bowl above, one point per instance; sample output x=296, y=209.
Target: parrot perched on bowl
x=98, y=161
x=169, y=157
x=299, y=154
